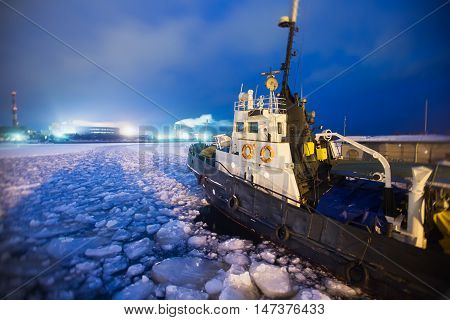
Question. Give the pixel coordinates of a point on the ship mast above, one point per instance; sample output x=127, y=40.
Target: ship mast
x=286, y=22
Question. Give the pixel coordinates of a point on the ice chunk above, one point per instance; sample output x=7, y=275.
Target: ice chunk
x=138, y=248
x=172, y=235
x=84, y=218
x=162, y=219
x=235, y=244
x=196, y=253
x=164, y=195
x=153, y=228
x=308, y=272
x=191, y=272
x=337, y=288
x=197, y=241
x=300, y=277
x=310, y=294
x=239, y=287
x=236, y=269
x=61, y=295
x=111, y=223
x=100, y=224
x=273, y=281
x=114, y=265
x=167, y=212
x=268, y=256
x=120, y=197
x=139, y=290
x=213, y=286
x=110, y=250
x=86, y=266
x=93, y=283
x=283, y=261
x=237, y=259
x=135, y=269
x=121, y=235
x=139, y=216
x=181, y=293
x=60, y=247
x=34, y=223
x=116, y=283
x=160, y=291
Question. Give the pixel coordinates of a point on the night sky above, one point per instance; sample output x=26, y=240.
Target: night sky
x=192, y=56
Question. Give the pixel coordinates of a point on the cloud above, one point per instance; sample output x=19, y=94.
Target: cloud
x=203, y=120
x=194, y=122
x=137, y=48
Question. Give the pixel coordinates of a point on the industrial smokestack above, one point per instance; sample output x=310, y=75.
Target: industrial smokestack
x=15, y=122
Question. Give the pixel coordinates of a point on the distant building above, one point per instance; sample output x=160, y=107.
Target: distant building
x=12, y=134
x=97, y=130
x=82, y=131
x=407, y=148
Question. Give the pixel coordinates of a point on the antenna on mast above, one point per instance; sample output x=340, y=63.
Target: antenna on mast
x=286, y=22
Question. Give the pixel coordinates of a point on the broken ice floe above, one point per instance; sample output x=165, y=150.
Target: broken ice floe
x=124, y=229
x=181, y=293
x=189, y=272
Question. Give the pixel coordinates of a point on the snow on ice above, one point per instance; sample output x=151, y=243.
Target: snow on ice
x=172, y=235
x=239, y=287
x=104, y=251
x=237, y=258
x=139, y=290
x=273, y=281
x=213, y=287
x=181, y=293
x=112, y=222
x=190, y=272
x=135, y=269
x=138, y=248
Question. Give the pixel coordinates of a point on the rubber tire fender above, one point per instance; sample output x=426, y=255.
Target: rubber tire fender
x=201, y=179
x=282, y=233
x=233, y=202
x=356, y=273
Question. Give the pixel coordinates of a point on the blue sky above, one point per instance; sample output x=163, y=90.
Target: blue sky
x=192, y=56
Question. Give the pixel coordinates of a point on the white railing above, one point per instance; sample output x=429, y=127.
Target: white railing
x=328, y=134
x=273, y=104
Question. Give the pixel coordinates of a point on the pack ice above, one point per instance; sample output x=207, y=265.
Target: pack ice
x=108, y=221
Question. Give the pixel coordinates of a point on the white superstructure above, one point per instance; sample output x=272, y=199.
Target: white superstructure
x=259, y=151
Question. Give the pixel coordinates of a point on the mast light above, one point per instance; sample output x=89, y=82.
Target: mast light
x=284, y=22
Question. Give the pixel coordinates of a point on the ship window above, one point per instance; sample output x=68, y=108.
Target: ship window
x=253, y=127
x=280, y=128
x=239, y=126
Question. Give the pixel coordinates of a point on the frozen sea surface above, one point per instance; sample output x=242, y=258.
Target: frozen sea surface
x=117, y=221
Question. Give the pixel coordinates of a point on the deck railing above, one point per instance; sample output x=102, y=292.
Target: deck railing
x=273, y=104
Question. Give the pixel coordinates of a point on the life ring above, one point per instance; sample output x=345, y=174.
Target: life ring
x=233, y=202
x=356, y=273
x=247, y=151
x=262, y=154
x=282, y=233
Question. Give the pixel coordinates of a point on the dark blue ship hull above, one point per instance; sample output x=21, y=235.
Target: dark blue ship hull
x=378, y=264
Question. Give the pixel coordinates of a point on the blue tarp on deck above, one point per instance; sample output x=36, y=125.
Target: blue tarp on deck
x=358, y=201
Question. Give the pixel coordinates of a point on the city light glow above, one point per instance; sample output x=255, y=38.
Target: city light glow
x=18, y=137
x=129, y=131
